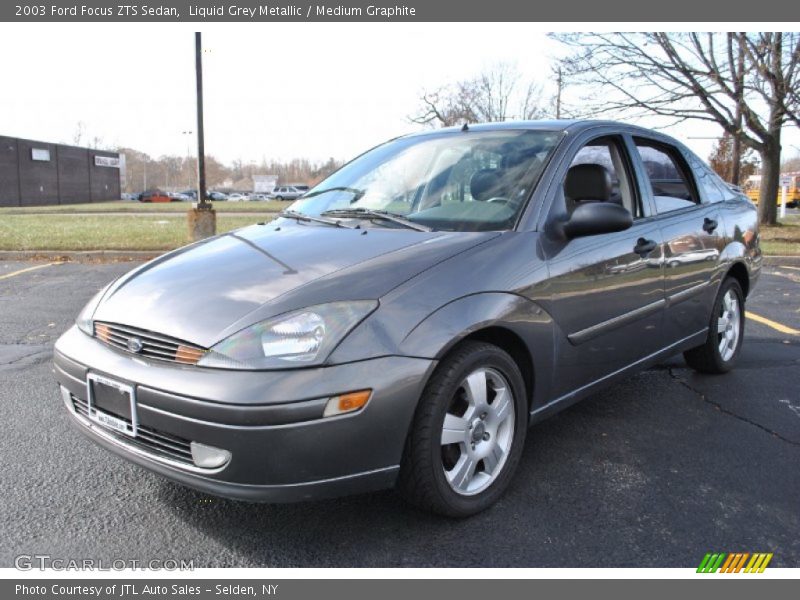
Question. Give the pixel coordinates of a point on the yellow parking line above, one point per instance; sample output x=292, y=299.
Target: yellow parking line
x=771, y=323
x=21, y=271
x=788, y=267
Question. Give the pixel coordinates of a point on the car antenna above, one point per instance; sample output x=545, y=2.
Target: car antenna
x=465, y=127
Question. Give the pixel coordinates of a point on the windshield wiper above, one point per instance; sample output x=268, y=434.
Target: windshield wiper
x=293, y=214
x=369, y=213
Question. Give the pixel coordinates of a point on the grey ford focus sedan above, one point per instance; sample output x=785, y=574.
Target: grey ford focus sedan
x=406, y=321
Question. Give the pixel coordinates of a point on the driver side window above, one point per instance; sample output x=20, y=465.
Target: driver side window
x=598, y=173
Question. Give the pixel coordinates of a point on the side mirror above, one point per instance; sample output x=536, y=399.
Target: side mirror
x=593, y=218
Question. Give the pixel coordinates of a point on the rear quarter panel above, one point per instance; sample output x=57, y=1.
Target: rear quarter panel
x=740, y=217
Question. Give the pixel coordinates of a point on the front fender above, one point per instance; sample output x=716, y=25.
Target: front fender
x=440, y=331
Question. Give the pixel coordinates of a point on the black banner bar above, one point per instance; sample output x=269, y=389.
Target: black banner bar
x=609, y=11
x=398, y=589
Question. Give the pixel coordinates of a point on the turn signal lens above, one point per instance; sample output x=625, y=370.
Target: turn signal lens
x=102, y=331
x=346, y=403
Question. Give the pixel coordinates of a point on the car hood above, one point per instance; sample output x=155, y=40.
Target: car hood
x=204, y=292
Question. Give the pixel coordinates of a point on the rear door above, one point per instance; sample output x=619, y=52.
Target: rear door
x=692, y=231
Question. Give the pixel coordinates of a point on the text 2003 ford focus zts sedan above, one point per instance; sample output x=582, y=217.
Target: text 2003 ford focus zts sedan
x=405, y=321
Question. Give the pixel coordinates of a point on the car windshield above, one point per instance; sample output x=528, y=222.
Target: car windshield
x=454, y=181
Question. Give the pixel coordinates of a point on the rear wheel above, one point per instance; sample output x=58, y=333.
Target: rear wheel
x=725, y=332
x=467, y=434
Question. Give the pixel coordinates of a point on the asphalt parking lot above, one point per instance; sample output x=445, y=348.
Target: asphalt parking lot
x=655, y=471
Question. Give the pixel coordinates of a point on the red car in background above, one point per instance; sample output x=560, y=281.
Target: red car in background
x=154, y=196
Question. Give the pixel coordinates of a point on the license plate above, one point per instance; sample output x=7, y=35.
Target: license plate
x=111, y=421
x=105, y=419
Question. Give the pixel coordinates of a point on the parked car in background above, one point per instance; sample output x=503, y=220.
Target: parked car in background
x=237, y=197
x=191, y=193
x=259, y=196
x=126, y=196
x=218, y=196
x=180, y=197
x=154, y=196
x=398, y=330
x=286, y=192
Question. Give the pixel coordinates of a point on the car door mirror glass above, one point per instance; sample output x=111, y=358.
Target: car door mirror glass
x=593, y=218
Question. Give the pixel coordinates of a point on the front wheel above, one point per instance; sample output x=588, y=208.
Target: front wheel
x=725, y=332
x=467, y=435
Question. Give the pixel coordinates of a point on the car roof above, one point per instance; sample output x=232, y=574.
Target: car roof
x=565, y=125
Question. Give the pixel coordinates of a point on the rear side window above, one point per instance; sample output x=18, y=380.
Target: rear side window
x=724, y=189
x=712, y=187
x=669, y=176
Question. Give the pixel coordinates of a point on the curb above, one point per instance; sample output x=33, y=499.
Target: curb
x=776, y=261
x=82, y=256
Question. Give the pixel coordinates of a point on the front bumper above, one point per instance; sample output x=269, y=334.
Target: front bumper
x=270, y=421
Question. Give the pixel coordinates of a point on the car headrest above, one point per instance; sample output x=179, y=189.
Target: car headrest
x=485, y=184
x=588, y=182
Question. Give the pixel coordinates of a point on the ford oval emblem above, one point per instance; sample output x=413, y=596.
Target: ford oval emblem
x=135, y=344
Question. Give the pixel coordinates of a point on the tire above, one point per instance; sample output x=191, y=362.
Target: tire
x=727, y=325
x=486, y=435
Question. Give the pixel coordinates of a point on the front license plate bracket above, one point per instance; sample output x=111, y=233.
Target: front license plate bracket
x=104, y=419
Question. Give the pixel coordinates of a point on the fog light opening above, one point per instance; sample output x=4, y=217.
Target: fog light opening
x=208, y=457
x=346, y=403
x=66, y=396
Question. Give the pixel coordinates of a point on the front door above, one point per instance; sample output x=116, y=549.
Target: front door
x=606, y=291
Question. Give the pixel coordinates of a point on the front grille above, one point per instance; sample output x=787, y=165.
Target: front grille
x=152, y=440
x=151, y=345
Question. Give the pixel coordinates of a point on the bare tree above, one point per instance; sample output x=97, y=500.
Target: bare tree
x=80, y=130
x=498, y=94
x=748, y=83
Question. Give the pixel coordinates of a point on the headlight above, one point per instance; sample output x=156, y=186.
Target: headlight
x=299, y=338
x=84, y=320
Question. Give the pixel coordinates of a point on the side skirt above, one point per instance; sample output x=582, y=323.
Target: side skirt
x=574, y=396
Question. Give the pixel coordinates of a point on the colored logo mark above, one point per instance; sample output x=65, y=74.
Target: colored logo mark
x=734, y=562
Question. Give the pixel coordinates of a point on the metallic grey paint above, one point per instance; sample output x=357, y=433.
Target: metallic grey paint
x=587, y=311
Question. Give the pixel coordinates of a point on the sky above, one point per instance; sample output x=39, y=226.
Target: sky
x=272, y=90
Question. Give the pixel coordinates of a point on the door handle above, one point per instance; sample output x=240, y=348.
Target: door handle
x=644, y=246
x=709, y=225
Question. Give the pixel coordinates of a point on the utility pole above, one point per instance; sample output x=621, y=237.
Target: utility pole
x=737, y=138
x=202, y=218
x=188, y=155
x=201, y=150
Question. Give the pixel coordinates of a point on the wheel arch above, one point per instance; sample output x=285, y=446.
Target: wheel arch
x=515, y=324
x=511, y=343
x=739, y=272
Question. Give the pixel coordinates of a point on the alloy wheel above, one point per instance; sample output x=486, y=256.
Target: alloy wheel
x=729, y=325
x=478, y=431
